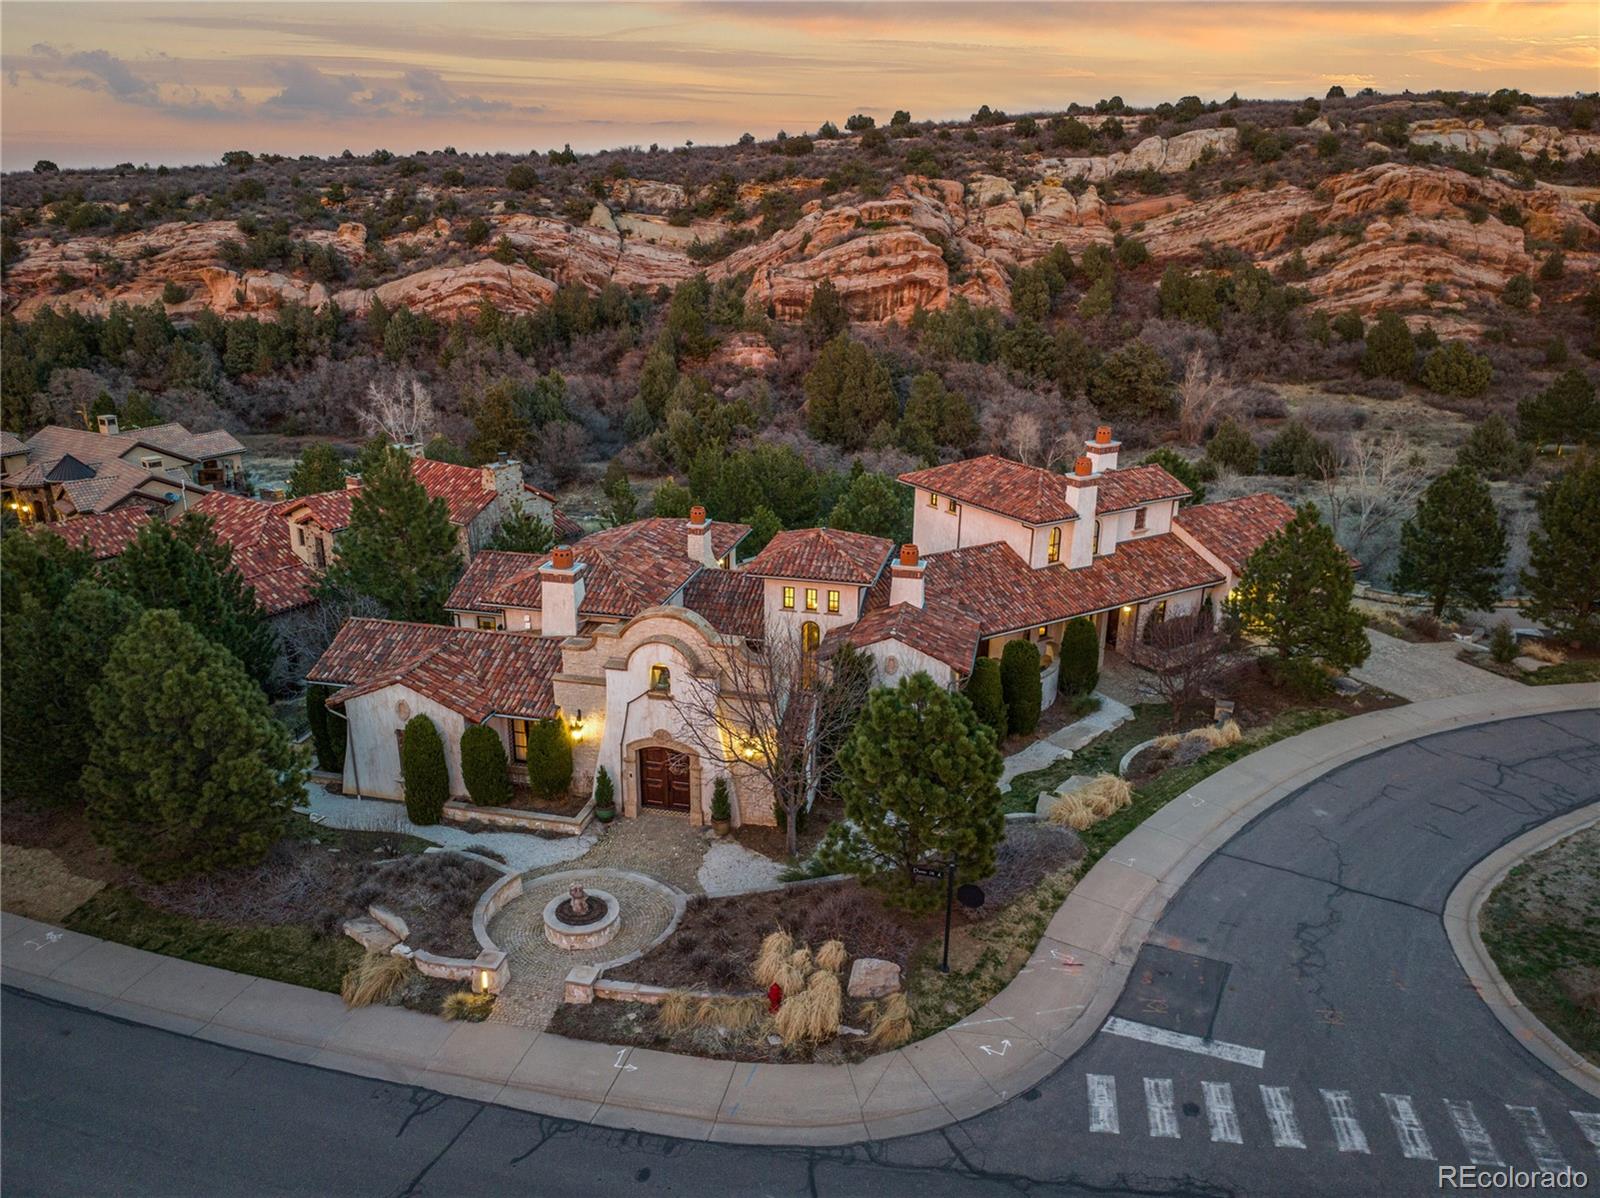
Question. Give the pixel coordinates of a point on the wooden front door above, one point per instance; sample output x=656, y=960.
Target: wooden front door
x=664, y=779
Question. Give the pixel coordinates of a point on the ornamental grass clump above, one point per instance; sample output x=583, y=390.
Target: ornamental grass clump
x=1090, y=804
x=466, y=1006
x=773, y=958
x=676, y=1012
x=800, y=960
x=812, y=1014
x=730, y=1015
x=832, y=956
x=891, y=1022
x=373, y=979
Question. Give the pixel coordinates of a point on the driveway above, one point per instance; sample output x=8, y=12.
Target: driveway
x=1422, y=671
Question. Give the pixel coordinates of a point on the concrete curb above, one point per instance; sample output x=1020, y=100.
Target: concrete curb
x=1461, y=923
x=1051, y=1008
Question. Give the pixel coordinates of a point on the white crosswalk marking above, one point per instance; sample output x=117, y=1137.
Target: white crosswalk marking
x=1280, y=1114
x=1545, y=1153
x=1413, y=1139
x=1589, y=1123
x=1473, y=1137
x=1220, y=1113
x=1158, y=1104
x=1103, y=1103
x=1347, y=1132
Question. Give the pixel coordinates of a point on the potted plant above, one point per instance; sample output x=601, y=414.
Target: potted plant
x=721, y=809
x=605, y=797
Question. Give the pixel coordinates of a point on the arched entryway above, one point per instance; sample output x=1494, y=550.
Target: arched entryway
x=665, y=779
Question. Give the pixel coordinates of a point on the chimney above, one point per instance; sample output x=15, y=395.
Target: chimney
x=1083, y=488
x=108, y=424
x=503, y=476
x=1102, y=450
x=352, y=482
x=700, y=549
x=560, y=593
x=905, y=578
x=412, y=449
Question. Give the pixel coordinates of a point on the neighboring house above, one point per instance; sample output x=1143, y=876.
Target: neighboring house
x=60, y=472
x=259, y=537
x=479, y=498
x=105, y=536
x=609, y=634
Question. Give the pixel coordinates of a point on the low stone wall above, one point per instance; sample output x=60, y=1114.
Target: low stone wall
x=489, y=905
x=458, y=812
x=586, y=983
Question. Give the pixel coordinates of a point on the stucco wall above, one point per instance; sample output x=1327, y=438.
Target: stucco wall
x=897, y=660
x=1116, y=527
x=937, y=529
x=372, y=753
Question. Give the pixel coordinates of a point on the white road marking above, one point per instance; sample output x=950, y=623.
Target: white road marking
x=1220, y=1113
x=1103, y=1103
x=1220, y=1049
x=1280, y=1114
x=1545, y=1153
x=1005, y=1047
x=1473, y=1136
x=1347, y=1131
x=1158, y=1104
x=617, y=1064
x=1413, y=1138
x=1589, y=1123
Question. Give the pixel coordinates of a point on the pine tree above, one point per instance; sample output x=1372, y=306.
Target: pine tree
x=188, y=771
x=522, y=532
x=1021, y=685
x=918, y=781
x=1563, y=575
x=1454, y=547
x=874, y=504
x=1295, y=595
x=657, y=379
x=671, y=498
x=1493, y=450
x=935, y=416
x=1182, y=469
x=423, y=771
x=184, y=568
x=400, y=549
x=622, y=505
x=1564, y=413
x=984, y=693
x=848, y=394
x=825, y=315
x=499, y=423
x=1080, y=656
x=319, y=469
x=1390, y=351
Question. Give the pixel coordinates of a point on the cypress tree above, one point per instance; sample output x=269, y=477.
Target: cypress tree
x=549, y=759
x=327, y=731
x=1080, y=657
x=424, y=772
x=1453, y=548
x=984, y=693
x=1021, y=685
x=483, y=766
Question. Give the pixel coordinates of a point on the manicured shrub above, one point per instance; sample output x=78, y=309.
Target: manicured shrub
x=605, y=791
x=986, y=696
x=549, y=759
x=1021, y=686
x=423, y=769
x=327, y=731
x=721, y=808
x=483, y=766
x=1080, y=657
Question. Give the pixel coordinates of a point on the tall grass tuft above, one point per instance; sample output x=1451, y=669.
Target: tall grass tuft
x=675, y=1012
x=374, y=978
x=773, y=959
x=832, y=956
x=891, y=1023
x=466, y=1006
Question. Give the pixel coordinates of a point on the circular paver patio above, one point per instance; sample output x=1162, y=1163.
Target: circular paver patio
x=538, y=968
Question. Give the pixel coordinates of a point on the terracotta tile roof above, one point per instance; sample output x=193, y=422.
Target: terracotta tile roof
x=993, y=585
x=616, y=583
x=476, y=673
x=1233, y=529
x=944, y=634
x=115, y=481
x=330, y=509
x=259, y=537
x=668, y=536
x=487, y=570
x=823, y=555
x=461, y=487
x=104, y=535
x=730, y=600
x=1134, y=485
x=998, y=484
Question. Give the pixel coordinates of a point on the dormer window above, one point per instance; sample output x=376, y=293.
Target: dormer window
x=1139, y=514
x=660, y=679
x=1055, y=544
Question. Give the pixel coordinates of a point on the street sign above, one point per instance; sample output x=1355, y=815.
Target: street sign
x=927, y=871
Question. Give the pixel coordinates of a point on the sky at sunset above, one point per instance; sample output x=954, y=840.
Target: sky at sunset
x=98, y=84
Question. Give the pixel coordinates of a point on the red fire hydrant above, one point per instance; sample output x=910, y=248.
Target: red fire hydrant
x=774, y=998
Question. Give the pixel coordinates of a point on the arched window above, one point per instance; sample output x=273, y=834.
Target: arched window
x=810, y=638
x=1055, y=544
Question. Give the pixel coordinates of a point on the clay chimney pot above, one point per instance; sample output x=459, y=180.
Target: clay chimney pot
x=697, y=514
x=908, y=555
x=561, y=557
x=1102, y=435
x=1083, y=467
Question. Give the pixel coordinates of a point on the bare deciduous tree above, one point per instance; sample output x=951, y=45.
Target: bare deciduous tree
x=1371, y=485
x=775, y=712
x=1186, y=653
x=1204, y=398
x=398, y=408
x=305, y=633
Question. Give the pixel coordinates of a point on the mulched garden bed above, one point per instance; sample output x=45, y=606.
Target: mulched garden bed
x=523, y=799
x=772, y=842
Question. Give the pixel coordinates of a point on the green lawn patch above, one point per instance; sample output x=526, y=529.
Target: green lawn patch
x=1569, y=671
x=285, y=953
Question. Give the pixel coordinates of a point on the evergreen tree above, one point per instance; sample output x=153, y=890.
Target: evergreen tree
x=918, y=780
x=522, y=532
x=622, y=505
x=1493, y=450
x=985, y=695
x=319, y=469
x=875, y=504
x=483, y=767
x=1390, y=351
x=1021, y=685
x=1564, y=413
x=848, y=394
x=188, y=771
x=40, y=566
x=1133, y=381
x=1563, y=575
x=1182, y=469
x=934, y=416
x=327, y=731
x=400, y=549
x=423, y=771
x=549, y=759
x=184, y=568
x=671, y=499
x=1080, y=657
x=657, y=378
x=1453, y=369
x=1232, y=448
x=764, y=525
x=1454, y=547
x=499, y=423
x=825, y=315
x=441, y=448
x=1295, y=594
x=1297, y=450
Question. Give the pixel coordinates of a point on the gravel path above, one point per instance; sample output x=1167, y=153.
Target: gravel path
x=538, y=968
x=521, y=850
x=730, y=868
x=656, y=843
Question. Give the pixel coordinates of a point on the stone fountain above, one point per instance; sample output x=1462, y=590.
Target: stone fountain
x=584, y=919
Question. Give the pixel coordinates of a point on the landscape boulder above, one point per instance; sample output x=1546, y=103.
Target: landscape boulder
x=871, y=977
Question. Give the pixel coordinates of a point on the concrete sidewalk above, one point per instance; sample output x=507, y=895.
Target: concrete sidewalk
x=1053, y=1006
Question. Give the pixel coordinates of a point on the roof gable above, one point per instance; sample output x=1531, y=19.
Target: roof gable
x=1233, y=529
x=823, y=555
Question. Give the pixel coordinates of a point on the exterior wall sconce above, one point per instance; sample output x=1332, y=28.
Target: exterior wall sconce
x=575, y=725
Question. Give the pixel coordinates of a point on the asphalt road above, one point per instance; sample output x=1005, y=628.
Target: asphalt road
x=1313, y=939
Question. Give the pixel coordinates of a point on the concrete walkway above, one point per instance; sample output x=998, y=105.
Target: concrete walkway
x=1050, y=1010
x=521, y=850
x=1423, y=671
x=1070, y=739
